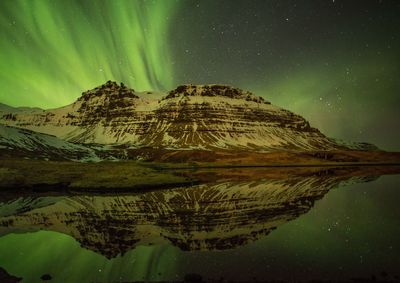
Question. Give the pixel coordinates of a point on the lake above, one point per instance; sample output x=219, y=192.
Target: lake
x=242, y=225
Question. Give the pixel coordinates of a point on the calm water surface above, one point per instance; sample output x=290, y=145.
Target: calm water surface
x=309, y=227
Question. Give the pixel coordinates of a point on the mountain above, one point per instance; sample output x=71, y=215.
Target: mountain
x=17, y=142
x=220, y=215
x=196, y=117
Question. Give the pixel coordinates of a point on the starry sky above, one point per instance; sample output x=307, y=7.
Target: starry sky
x=335, y=62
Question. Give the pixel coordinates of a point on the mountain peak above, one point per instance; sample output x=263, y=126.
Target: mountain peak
x=109, y=88
x=191, y=116
x=214, y=90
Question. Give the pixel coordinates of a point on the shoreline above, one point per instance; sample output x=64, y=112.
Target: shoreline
x=354, y=164
x=40, y=177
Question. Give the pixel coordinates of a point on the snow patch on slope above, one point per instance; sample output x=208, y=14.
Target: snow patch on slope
x=29, y=143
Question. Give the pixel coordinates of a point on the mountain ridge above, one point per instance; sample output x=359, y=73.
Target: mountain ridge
x=189, y=117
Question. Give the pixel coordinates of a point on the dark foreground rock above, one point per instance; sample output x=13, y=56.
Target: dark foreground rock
x=7, y=278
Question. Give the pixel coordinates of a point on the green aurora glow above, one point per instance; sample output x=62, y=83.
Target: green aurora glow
x=52, y=51
x=337, y=63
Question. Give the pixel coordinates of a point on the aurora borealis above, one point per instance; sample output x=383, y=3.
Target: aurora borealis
x=335, y=62
x=52, y=52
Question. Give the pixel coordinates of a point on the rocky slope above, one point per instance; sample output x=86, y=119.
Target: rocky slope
x=17, y=142
x=188, y=117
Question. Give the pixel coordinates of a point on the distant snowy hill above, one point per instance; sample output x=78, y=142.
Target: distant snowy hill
x=28, y=144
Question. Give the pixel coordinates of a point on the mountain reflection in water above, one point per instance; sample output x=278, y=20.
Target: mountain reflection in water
x=235, y=208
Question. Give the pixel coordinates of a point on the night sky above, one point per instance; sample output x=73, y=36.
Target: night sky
x=335, y=62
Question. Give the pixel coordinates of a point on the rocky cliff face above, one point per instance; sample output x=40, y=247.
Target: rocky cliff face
x=217, y=216
x=188, y=117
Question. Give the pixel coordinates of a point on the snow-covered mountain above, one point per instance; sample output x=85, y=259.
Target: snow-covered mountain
x=188, y=117
x=28, y=144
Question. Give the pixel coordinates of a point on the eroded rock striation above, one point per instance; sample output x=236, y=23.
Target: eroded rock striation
x=188, y=117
